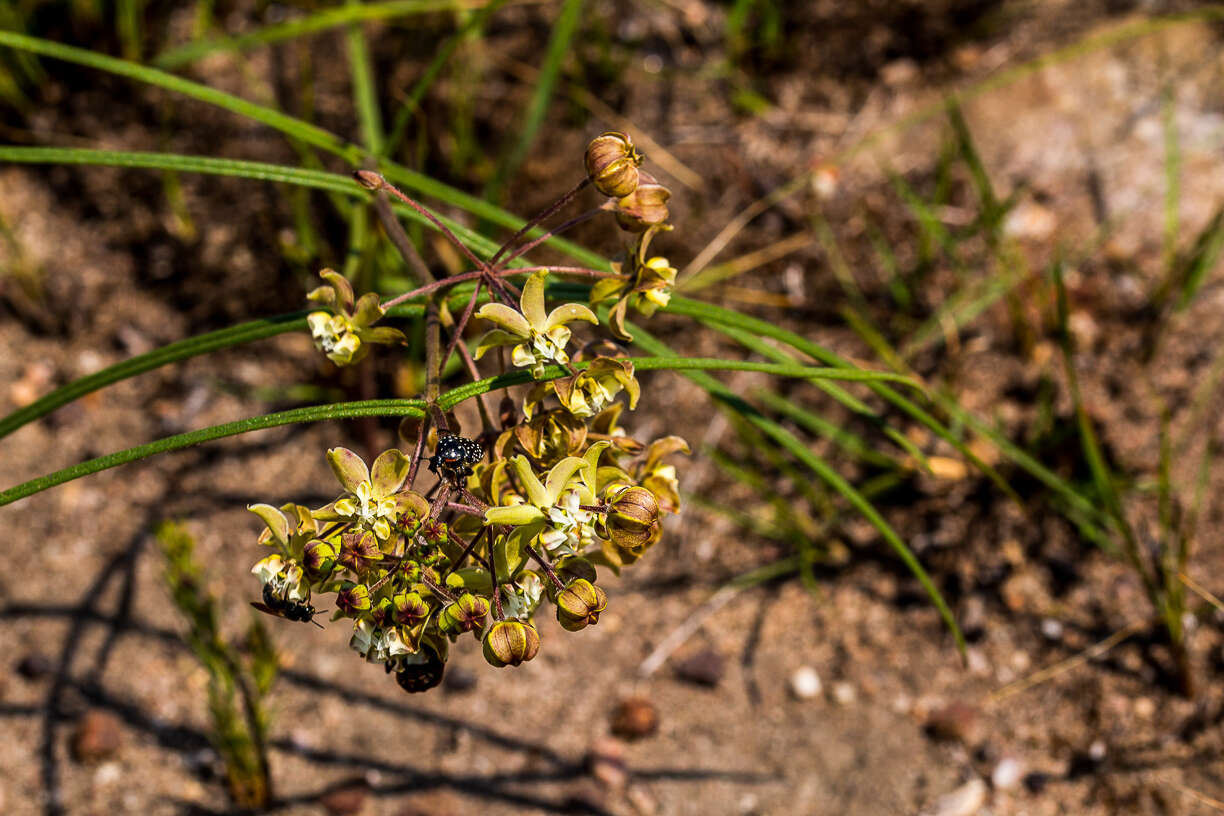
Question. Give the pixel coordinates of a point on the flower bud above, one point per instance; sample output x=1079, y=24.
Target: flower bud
x=579, y=605
x=409, y=609
x=319, y=558
x=611, y=164
x=633, y=519
x=358, y=551
x=645, y=207
x=353, y=598
x=510, y=643
x=464, y=615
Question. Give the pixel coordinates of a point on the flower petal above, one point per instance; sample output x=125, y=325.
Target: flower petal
x=559, y=477
x=532, y=301
x=348, y=467
x=344, y=289
x=567, y=312
x=536, y=494
x=493, y=339
x=275, y=519
x=388, y=473
x=507, y=318
x=516, y=515
x=367, y=311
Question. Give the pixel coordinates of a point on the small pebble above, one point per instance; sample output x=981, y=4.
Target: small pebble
x=703, y=668
x=1097, y=750
x=1008, y=774
x=634, y=718
x=955, y=722
x=805, y=683
x=96, y=738
x=347, y=799
x=1051, y=629
x=844, y=693
x=964, y=801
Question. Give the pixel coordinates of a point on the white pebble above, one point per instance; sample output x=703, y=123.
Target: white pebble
x=844, y=693
x=1008, y=774
x=1052, y=629
x=964, y=801
x=1096, y=751
x=805, y=683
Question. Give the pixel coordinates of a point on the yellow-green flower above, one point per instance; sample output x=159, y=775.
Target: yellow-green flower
x=344, y=335
x=372, y=499
x=644, y=283
x=537, y=336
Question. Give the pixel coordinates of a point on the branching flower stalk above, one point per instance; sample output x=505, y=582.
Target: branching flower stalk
x=527, y=513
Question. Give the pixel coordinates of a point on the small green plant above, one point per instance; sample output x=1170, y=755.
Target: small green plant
x=239, y=679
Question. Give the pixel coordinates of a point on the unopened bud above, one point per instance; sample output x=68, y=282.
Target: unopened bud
x=633, y=519
x=319, y=558
x=645, y=207
x=409, y=609
x=369, y=179
x=579, y=605
x=464, y=615
x=353, y=598
x=510, y=643
x=612, y=164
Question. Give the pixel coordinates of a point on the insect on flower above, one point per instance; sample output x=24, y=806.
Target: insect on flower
x=284, y=608
x=453, y=458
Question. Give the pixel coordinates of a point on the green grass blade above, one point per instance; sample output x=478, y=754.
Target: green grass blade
x=295, y=128
x=441, y=56
x=708, y=313
x=796, y=448
x=558, y=48
x=172, y=353
x=262, y=171
x=365, y=95
x=844, y=398
x=853, y=444
x=313, y=413
x=293, y=29
x=308, y=133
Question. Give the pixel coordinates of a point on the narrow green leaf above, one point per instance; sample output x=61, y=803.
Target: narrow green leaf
x=314, y=413
x=301, y=27
x=529, y=124
x=818, y=466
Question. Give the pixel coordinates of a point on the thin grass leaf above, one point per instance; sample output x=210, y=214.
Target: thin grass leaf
x=992, y=212
x=314, y=413
x=710, y=314
x=294, y=128
x=792, y=445
x=301, y=27
x=442, y=55
x=1172, y=174
x=850, y=443
x=839, y=394
x=558, y=48
x=365, y=95
x=175, y=352
x=1201, y=259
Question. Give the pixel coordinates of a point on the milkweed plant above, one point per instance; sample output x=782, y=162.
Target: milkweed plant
x=523, y=514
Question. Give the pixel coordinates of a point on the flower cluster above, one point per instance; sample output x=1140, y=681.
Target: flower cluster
x=525, y=517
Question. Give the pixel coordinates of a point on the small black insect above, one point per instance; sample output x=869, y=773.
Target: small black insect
x=285, y=608
x=453, y=458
